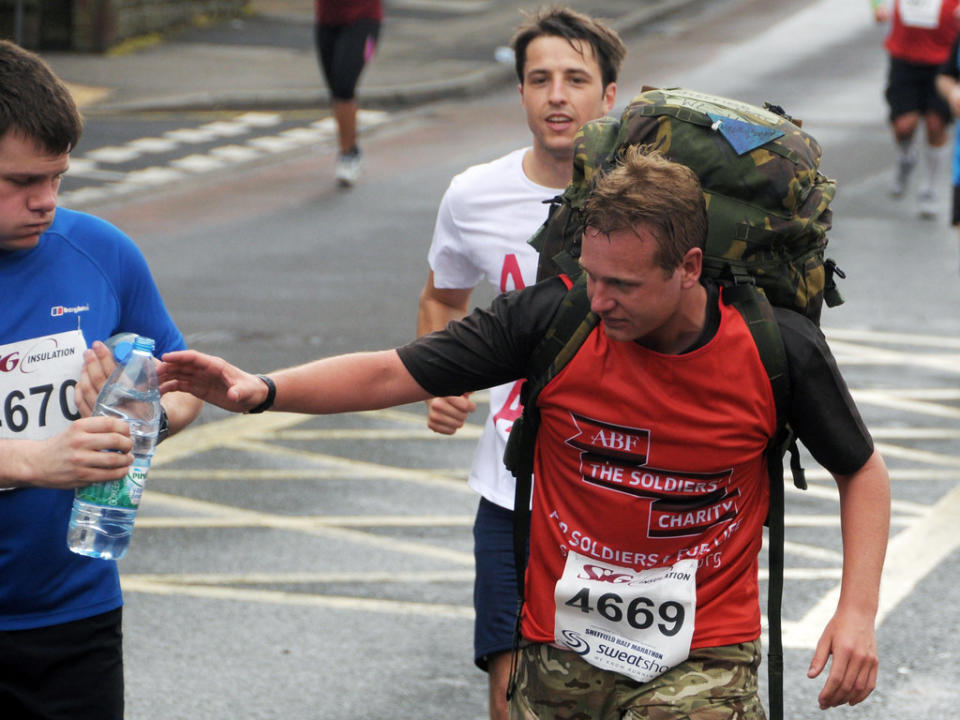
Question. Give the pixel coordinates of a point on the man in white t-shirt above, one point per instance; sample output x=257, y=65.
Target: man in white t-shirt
x=567, y=65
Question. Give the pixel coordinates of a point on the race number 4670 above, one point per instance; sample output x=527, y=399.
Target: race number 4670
x=23, y=408
x=640, y=613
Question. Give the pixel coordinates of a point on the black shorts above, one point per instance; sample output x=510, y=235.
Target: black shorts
x=912, y=88
x=495, y=587
x=955, y=211
x=71, y=671
x=343, y=51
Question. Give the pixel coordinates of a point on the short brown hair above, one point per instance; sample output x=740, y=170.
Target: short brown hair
x=35, y=103
x=648, y=190
x=566, y=23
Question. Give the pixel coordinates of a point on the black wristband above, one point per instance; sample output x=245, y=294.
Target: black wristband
x=163, y=431
x=268, y=401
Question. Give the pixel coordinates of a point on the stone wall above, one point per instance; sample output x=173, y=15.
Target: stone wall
x=98, y=25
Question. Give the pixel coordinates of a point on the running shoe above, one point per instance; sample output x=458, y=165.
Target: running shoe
x=927, y=203
x=349, y=166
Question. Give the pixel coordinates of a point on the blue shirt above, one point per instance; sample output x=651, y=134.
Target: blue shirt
x=83, y=273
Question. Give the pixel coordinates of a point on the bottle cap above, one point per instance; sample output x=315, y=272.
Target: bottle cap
x=121, y=344
x=144, y=343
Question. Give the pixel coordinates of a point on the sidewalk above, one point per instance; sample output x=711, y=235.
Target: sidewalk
x=429, y=50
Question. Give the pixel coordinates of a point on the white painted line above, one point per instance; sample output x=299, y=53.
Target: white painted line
x=307, y=578
x=225, y=128
x=235, y=153
x=113, y=154
x=882, y=398
x=79, y=166
x=874, y=336
x=367, y=521
x=472, y=432
x=198, y=163
x=153, y=145
x=422, y=476
x=191, y=135
x=273, y=144
x=274, y=597
x=923, y=456
x=446, y=479
x=304, y=136
x=259, y=119
x=915, y=433
x=154, y=176
x=236, y=517
x=911, y=555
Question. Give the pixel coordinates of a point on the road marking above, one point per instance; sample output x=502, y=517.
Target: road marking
x=310, y=578
x=420, y=476
x=260, y=145
x=911, y=555
x=351, y=603
x=230, y=516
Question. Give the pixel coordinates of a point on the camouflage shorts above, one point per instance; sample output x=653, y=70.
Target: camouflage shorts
x=712, y=684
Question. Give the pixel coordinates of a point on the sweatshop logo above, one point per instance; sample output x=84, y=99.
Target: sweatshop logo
x=683, y=503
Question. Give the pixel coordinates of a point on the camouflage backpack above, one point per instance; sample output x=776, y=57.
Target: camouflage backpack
x=768, y=211
x=768, y=205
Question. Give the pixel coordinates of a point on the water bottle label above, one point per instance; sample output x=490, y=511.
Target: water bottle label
x=124, y=493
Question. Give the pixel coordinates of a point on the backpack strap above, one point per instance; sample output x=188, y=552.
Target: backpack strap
x=758, y=315
x=569, y=328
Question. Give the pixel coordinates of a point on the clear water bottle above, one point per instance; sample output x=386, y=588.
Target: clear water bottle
x=101, y=522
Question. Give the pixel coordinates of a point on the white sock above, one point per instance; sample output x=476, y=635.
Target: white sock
x=933, y=157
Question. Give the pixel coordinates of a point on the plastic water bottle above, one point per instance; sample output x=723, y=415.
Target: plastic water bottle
x=101, y=522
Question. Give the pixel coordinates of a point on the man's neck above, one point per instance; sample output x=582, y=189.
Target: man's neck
x=686, y=326
x=548, y=170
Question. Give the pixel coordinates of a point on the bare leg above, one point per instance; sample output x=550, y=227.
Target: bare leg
x=499, y=671
x=345, y=114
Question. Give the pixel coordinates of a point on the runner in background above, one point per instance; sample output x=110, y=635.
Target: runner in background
x=346, y=34
x=921, y=32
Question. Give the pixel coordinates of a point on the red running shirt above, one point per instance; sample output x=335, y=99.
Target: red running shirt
x=922, y=45
x=345, y=12
x=664, y=459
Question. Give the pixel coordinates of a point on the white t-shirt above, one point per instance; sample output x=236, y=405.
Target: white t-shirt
x=485, y=219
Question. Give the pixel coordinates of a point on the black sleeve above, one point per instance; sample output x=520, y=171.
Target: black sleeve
x=951, y=66
x=488, y=347
x=821, y=410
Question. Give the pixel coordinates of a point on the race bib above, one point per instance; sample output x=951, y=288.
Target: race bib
x=636, y=623
x=920, y=13
x=37, y=381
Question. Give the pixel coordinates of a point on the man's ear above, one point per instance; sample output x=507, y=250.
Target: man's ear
x=609, y=97
x=692, y=266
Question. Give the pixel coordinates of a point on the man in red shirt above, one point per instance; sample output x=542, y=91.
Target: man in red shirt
x=921, y=32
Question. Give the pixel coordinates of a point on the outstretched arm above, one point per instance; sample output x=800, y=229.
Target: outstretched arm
x=345, y=383
x=850, y=636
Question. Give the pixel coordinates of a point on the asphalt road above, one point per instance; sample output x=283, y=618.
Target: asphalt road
x=321, y=567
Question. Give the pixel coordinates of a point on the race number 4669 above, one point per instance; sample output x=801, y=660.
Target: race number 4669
x=640, y=612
